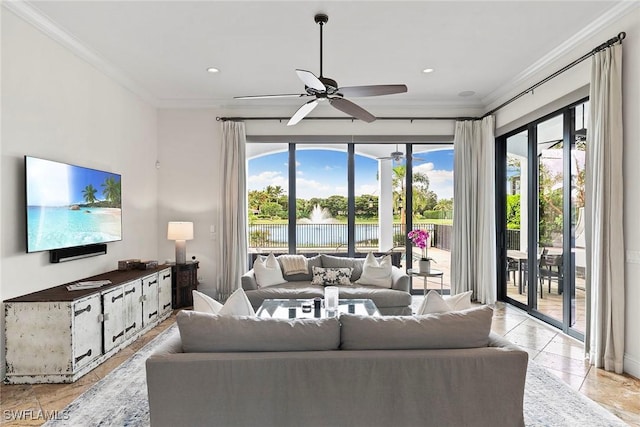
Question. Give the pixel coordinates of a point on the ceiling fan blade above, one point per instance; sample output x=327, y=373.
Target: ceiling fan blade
x=302, y=112
x=375, y=90
x=283, y=95
x=310, y=80
x=352, y=109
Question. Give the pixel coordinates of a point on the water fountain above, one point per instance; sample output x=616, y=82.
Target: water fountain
x=318, y=216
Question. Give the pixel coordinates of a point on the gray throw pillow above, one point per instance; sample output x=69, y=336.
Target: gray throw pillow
x=461, y=329
x=210, y=333
x=330, y=261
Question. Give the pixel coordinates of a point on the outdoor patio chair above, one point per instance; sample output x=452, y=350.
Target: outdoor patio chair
x=550, y=267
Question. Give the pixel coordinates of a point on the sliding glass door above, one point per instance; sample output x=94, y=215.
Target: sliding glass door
x=541, y=212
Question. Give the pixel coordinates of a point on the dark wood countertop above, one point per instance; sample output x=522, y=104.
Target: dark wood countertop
x=60, y=293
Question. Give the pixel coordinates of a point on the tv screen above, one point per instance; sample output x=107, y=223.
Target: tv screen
x=70, y=206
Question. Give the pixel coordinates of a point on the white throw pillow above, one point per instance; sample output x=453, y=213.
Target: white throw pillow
x=268, y=271
x=436, y=303
x=237, y=305
x=204, y=303
x=377, y=273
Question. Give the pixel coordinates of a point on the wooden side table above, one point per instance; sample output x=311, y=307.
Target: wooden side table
x=184, y=280
x=432, y=273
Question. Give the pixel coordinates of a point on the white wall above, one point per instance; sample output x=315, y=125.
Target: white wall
x=576, y=79
x=56, y=106
x=187, y=144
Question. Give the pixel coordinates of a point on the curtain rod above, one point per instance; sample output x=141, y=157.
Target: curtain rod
x=617, y=39
x=597, y=49
x=224, y=119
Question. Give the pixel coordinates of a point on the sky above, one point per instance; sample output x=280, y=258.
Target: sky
x=323, y=173
x=57, y=184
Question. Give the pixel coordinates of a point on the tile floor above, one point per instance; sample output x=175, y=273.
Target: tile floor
x=563, y=356
x=560, y=354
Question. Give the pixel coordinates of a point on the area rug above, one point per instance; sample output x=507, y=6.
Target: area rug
x=120, y=398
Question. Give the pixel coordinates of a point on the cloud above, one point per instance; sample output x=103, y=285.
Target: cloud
x=367, y=189
x=261, y=180
x=440, y=181
x=309, y=188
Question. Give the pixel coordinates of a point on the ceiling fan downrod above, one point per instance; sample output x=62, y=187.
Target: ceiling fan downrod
x=321, y=19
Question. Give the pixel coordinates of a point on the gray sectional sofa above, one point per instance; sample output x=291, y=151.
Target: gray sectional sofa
x=434, y=370
x=393, y=301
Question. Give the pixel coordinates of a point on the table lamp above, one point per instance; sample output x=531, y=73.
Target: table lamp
x=180, y=231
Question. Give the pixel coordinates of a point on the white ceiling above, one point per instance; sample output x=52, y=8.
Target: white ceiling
x=161, y=49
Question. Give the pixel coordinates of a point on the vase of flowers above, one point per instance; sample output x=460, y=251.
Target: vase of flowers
x=420, y=238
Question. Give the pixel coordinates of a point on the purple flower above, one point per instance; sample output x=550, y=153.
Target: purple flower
x=419, y=238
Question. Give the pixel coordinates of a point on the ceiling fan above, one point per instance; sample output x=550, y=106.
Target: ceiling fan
x=398, y=156
x=325, y=89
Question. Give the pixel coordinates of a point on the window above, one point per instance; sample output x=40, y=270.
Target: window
x=541, y=206
x=351, y=197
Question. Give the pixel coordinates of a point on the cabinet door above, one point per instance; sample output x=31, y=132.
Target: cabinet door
x=150, y=299
x=113, y=311
x=164, y=291
x=87, y=330
x=132, y=308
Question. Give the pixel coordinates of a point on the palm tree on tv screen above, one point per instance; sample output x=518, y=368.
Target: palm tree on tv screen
x=111, y=191
x=89, y=194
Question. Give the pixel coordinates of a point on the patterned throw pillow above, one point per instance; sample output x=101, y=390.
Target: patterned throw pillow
x=331, y=276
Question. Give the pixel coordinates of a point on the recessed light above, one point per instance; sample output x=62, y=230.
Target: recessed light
x=213, y=70
x=467, y=93
x=427, y=70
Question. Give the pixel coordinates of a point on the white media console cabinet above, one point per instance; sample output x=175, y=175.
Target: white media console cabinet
x=56, y=335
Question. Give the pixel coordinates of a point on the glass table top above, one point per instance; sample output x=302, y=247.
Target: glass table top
x=303, y=308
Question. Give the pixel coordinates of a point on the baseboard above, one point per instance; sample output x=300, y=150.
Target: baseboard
x=631, y=366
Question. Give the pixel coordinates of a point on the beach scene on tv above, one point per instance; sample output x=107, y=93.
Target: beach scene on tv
x=71, y=205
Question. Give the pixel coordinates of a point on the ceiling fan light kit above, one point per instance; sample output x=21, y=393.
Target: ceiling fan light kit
x=325, y=88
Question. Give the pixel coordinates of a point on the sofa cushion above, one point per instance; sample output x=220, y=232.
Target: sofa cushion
x=311, y=262
x=288, y=290
x=331, y=276
x=329, y=261
x=203, y=333
x=382, y=297
x=204, y=303
x=268, y=271
x=435, y=303
x=461, y=329
x=377, y=273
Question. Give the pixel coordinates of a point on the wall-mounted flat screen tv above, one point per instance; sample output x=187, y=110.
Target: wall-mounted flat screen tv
x=69, y=206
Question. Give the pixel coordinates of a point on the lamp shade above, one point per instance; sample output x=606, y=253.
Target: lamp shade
x=180, y=230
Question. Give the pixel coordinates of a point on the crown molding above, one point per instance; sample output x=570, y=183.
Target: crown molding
x=611, y=16
x=39, y=20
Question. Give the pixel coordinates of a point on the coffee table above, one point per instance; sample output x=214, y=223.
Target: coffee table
x=292, y=308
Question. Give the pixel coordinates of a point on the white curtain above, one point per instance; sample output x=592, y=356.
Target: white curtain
x=473, y=252
x=604, y=338
x=232, y=203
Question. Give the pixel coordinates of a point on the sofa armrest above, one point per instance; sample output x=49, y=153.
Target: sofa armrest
x=399, y=279
x=249, y=281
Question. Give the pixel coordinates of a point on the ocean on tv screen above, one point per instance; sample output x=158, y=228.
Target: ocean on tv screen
x=63, y=227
